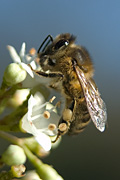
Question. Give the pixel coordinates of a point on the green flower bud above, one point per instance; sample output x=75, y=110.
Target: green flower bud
x=14, y=74
x=47, y=172
x=14, y=155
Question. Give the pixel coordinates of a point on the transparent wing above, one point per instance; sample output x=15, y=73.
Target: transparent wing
x=95, y=104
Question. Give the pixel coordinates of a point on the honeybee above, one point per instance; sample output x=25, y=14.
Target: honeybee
x=71, y=72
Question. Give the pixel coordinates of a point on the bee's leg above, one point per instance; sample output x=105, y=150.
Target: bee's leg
x=50, y=75
x=67, y=113
x=53, y=79
x=47, y=75
x=62, y=128
x=65, y=120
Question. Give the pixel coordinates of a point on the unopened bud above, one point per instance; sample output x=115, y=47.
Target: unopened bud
x=14, y=155
x=14, y=74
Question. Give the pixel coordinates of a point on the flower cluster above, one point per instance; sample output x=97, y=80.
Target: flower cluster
x=41, y=120
x=25, y=94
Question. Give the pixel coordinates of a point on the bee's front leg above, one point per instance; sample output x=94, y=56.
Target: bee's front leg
x=50, y=75
x=47, y=75
x=52, y=79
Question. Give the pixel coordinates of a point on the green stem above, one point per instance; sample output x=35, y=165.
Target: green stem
x=32, y=158
x=44, y=171
x=11, y=138
x=20, y=142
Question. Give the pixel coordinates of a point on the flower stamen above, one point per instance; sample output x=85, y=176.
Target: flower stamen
x=58, y=104
x=52, y=127
x=32, y=51
x=46, y=114
x=52, y=99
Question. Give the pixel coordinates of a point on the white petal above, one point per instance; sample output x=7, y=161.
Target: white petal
x=39, y=99
x=15, y=57
x=22, y=51
x=31, y=103
x=28, y=69
x=28, y=126
x=29, y=82
x=44, y=141
x=41, y=79
x=33, y=64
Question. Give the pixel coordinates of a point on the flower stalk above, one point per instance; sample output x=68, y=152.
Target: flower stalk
x=44, y=171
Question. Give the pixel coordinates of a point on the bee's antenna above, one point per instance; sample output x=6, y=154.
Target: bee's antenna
x=51, y=39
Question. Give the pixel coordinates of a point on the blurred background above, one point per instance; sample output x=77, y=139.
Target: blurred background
x=91, y=154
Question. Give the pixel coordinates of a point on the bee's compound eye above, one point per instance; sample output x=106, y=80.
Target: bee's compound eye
x=61, y=43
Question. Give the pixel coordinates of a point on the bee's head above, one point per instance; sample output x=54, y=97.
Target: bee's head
x=52, y=52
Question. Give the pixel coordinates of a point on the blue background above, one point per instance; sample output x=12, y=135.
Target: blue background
x=90, y=155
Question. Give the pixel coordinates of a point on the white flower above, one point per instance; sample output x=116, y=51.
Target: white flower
x=23, y=59
x=32, y=79
x=41, y=120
